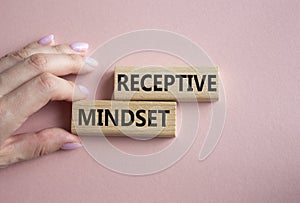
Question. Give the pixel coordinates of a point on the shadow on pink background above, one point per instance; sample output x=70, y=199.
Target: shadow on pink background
x=256, y=45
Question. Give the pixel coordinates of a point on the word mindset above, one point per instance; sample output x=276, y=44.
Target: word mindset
x=101, y=117
x=166, y=83
x=139, y=117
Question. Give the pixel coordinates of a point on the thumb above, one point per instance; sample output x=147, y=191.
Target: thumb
x=31, y=145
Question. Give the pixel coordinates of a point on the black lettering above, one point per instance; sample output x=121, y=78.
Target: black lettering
x=163, y=117
x=169, y=83
x=200, y=88
x=123, y=117
x=120, y=82
x=139, y=116
x=99, y=111
x=210, y=83
x=180, y=77
x=134, y=82
x=157, y=82
x=147, y=89
x=151, y=118
x=82, y=116
x=113, y=120
x=190, y=88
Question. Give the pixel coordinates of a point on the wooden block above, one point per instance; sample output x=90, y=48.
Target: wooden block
x=119, y=118
x=166, y=83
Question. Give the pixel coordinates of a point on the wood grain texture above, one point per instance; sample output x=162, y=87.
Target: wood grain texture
x=150, y=119
x=191, y=84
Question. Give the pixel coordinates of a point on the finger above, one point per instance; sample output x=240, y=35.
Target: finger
x=18, y=105
x=13, y=58
x=57, y=64
x=31, y=145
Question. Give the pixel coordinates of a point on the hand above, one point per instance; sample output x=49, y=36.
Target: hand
x=29, y=79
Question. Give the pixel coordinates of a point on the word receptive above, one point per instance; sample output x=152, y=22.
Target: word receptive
x=117, y=118
x=198, y=84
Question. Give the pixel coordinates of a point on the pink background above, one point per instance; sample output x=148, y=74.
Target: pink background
x=257, y=46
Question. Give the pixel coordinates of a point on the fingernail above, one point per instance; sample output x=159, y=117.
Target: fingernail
x=46, y=40
x=84, y=89
x=79, y=46
x=90, y=61
x=68, y=146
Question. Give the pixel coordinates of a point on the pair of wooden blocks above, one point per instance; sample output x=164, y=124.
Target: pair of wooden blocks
x=145, y=101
